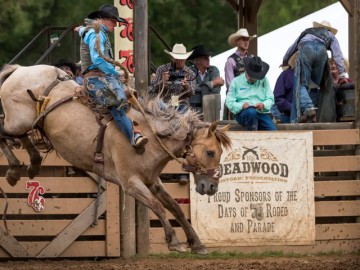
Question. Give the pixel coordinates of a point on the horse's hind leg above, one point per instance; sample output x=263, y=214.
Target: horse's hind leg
x=137, y=189
x=169, y=203
x=35, y=158
x=13, y=173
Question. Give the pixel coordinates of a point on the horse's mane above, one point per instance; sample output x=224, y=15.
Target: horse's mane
x=168, y=121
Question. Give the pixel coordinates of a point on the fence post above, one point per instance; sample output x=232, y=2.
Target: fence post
x=211, y=107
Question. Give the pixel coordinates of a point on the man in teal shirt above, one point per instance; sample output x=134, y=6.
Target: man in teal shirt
x=250, y=97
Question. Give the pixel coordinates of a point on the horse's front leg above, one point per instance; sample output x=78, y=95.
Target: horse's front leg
x=13, y=173
x=169, y=203
x=35, y=158
x=137, y=189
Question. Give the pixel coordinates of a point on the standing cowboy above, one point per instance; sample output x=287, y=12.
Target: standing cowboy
x=312, y=63
x=234, y=65
x=102, y=80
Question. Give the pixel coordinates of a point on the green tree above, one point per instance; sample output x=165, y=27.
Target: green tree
x=190, y=22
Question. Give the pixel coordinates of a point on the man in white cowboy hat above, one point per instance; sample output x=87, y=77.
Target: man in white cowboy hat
x=101, y=79
x=312, y=64
x=208, y=80
x=234, y=65
x=174, y=80
x=250, y=96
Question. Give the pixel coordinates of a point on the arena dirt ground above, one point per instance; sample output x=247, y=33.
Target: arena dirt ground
x=336, y=262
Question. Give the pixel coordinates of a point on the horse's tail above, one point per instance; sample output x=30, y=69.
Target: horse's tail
x=6, y=71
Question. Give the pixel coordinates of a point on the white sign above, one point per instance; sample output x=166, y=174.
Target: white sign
x=265, y=196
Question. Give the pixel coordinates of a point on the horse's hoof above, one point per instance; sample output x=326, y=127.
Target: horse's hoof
x=12, y=177
x=200, y=251
x=179, y=248
x=33, y=171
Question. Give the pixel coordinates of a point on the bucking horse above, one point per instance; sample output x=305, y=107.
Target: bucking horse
x=72, y=129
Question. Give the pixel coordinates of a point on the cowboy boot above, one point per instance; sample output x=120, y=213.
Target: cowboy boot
x=139, y=139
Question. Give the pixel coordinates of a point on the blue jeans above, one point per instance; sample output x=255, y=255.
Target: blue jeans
x=313, y=60
x=108, y=92
x=311, y=64
x=253, y=120
x=279, y=115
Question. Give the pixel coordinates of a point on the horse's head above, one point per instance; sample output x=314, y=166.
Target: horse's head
x=203, y=157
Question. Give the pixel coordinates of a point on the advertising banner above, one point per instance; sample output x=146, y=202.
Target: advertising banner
x=265, y=195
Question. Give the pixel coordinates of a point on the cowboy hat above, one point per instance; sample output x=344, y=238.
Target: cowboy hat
x=198, y=51
x=179, y=52
x=293, y=59
x=327, y=25
x=242, y=32
x=64, y=62
x=107, y=11
x=255, y=67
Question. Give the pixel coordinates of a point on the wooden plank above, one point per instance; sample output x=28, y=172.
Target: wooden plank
x=78, y=249
x=337, y=164
x=53, y=185
x=337, y=231
x=50, y=159
x=128, y=230
x=337, y=208
x=11, y=245
x=45, y=227
x=53, y=206
x=336, y=137
x=74, y=230
x=177, y=191
x=348, y=6
x=185, y=208
x=337, y=188
x=112, y=220
x=344, y=246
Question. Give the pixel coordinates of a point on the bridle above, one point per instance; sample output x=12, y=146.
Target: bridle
x=194, y=165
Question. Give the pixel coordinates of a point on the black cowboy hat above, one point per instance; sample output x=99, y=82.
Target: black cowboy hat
x=198, y=51
x=107, y=11
x=64, y=62
x=255, y=67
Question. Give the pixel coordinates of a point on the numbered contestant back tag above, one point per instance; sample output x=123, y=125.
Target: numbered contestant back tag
x=175, y=101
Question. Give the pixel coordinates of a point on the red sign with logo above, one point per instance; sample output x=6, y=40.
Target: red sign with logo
x=35, y=200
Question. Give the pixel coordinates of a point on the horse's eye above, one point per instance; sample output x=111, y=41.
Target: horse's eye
x=210, y=153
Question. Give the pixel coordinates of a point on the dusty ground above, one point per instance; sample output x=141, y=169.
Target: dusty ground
x=338, y=262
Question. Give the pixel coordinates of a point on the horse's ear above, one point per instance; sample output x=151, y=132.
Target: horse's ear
x=226, y=128
x=212, y=128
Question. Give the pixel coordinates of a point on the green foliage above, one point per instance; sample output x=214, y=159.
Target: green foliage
x=190, y=22
x=277, y=13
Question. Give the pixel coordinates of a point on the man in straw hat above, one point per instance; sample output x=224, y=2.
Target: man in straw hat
x=174, y=81
x=102, y=80
x=208, y=80
x=234, y=65
x=250, y=97
x=312, y=45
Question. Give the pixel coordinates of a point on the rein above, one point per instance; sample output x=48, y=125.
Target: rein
x=197, y=168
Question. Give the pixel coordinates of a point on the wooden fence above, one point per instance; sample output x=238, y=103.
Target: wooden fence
x=63, y=228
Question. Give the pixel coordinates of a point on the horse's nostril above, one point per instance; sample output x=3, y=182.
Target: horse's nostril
x=213, y=188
